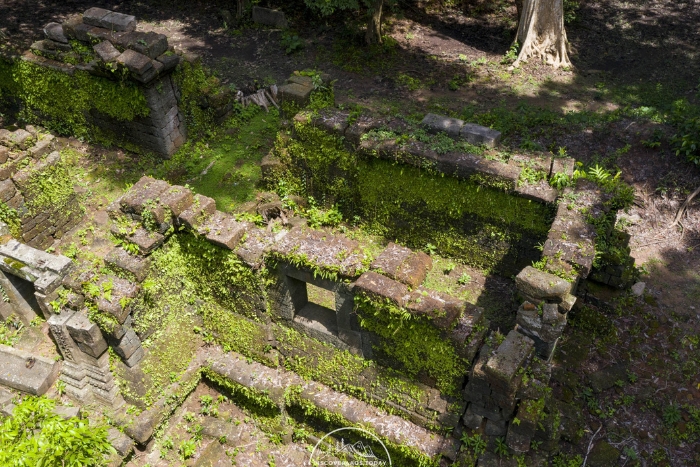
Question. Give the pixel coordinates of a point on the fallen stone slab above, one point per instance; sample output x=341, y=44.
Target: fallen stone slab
x=440, y=308
x=118, y=304
x=94, y=15
x=67, y=413
x=42, y=147
x=26, y=372
x=123, y=260
x=86, y=334
x=296, y=93
x=121, y=442
x=20, y=139
x=270, y=17
x=440, y=124
x=35, y=258
x=146, y=240
x=213, y=455
x=606, y=378
x=480, y=135
x=145, y=190
x=54, y=31
x=273, y=383
x=118, y=22
x=253, y=248
x=202, y=207
x=4, y=154
x=135, y=62
x=149, y=44
x=177, y=198
x=563, y=165
x=542, y=192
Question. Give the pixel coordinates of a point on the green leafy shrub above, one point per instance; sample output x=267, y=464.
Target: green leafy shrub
x=323, y=217
x=35, y=436
x=686, y=141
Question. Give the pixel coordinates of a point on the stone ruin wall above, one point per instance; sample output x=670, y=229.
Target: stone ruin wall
x=121, y=53
x=22, y=155
x=496, y=389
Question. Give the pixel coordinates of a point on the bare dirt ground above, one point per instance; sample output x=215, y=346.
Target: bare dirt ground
x=640, y=54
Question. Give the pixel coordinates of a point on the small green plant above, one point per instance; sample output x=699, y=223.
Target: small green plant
x=412, y=84
x=291, y=42
x=475, y=443
x=60, y=388
x=187, y=449
x=511, y=55
x=11, y=330
x=323, y=217
x=560, y=180
x=501, y=448
x=686, y=141
x=464, y=279
x=672, y=414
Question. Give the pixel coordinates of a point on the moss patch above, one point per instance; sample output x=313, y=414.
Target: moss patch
x=62, y=102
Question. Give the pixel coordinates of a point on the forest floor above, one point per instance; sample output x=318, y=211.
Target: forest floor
x=632, y=61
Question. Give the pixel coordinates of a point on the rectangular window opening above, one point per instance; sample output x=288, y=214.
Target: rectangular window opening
x=319, y=311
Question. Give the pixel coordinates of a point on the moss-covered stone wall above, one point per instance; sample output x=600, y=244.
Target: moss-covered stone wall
x=477, y=221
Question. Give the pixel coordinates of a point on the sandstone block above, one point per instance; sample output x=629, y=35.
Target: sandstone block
x=502, y=367
x=54, y=32
x=270, y=17
x=403, y=264
x=86, y=334
x=201, y=208
x=135, y=62
x=106, y=51
x=437, y=124
x=532, y=282
x=478, y=135
x=136, y=265
x=223, y=230
x=380, y=287
x=295, y=93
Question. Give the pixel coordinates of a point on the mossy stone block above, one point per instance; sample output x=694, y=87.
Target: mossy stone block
x=603, y=455
x=502, y=367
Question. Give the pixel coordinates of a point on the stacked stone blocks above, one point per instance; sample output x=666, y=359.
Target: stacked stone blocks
x=145, y=57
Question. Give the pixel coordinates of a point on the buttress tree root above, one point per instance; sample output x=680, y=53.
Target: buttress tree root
x=541, y=33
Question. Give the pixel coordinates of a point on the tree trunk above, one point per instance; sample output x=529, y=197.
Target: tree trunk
x=519, y=7
x=541, y=33
x=374, y=24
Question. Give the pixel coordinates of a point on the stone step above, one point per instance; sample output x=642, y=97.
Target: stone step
x=275, y=382
x=26, y=372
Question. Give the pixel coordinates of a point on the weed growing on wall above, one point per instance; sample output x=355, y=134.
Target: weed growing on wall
x=52, y=188
x=414, y=342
